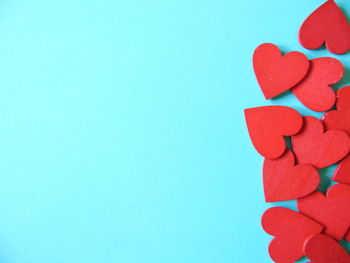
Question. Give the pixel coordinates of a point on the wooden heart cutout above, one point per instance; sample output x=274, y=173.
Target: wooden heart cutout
x=314, y=91
x=332, y=210
x=314, y=146
x=323, y=249
x=283, y=180
x=342, y=172
x=340, y=118
x=267, y=125
x=276, y=73
x=327, y=24
x=290, y=229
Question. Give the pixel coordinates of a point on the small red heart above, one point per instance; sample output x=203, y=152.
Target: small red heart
x=313, y=91
x=323, y=249
x=283, y=180
x=290, y=229
x=276, y=73
x=267, y=125
x=312, y=146
x=342, y=172
x=332, y=210
x=327, y=24
x=340, y=118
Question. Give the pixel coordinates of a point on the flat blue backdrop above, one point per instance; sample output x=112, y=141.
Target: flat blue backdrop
x=122, y=136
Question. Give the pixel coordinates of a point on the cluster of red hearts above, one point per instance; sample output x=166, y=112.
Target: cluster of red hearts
x=322, y=220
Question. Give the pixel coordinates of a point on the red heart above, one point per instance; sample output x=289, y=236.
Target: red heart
x=342, y=172
x=267, y=125
x=340, y=118
x=323, y=249
x=313, y=91
x=312, y=146
x=276, y=74
x=283, y=180
x=327, y=24
x=290, y=229
x=332, y=210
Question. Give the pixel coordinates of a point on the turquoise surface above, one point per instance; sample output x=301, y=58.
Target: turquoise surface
x=122, y=134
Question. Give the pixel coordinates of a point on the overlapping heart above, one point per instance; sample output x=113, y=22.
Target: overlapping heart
x=291, y=172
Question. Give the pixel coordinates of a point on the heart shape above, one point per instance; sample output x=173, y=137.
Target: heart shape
x=276, y=73
x=327, y=24
x=342, y=172
x=314, y=91
x=283, y=180
x=290, y=229
x=340, y=118
x=332, y=210
x=323, y=249
x=267, y=125
x=312, y=146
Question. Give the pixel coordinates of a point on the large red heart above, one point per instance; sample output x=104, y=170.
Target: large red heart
x=327, y=24
x=290, y=229
x=323, y=249
x=340, y=118
x=332, y=210
x=276, y=73
x=312, y=146
x=313, y=91
x=342, y=172
x=283, y=180
x=267, y=125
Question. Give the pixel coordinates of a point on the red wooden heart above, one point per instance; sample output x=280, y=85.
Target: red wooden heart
x=276, y=73
x=267, y=125
x=342, y=172
x=290, y=229
x=332, y=210
x=314, y=91
x=327, y=24
x=340, y=118
x=323, y=249
x=312, y=146
x=283, y=180
x=343, y=98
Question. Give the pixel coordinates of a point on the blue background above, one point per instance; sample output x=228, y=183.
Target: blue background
x=122, y=135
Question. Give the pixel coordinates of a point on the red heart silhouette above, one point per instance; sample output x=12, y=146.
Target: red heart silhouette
x=290, y=229
x=312, y=146
x=276, y=73
x=267, y=125
x=327, y=24
x=323, y=249
x=340, y=118
x=332, y=210
x=313, y=91
x=342, y=172
x=283, y=180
